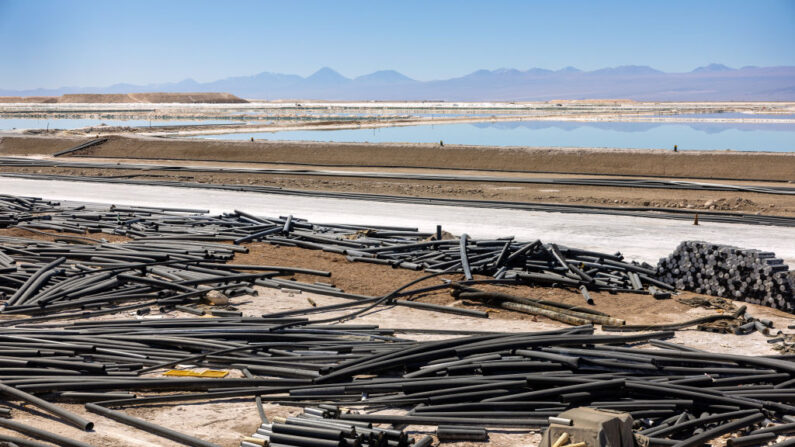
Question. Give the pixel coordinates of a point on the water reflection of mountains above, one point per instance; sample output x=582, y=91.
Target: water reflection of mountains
x=632, y=127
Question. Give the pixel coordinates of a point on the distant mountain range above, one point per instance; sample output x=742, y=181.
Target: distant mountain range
x=714, y=82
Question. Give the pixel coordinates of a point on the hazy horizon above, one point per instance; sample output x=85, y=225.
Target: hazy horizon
x=320, y=70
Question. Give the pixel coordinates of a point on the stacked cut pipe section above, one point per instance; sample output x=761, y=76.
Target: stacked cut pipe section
x=753, y=276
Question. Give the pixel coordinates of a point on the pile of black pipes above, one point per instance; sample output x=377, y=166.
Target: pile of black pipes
x=523, y=262
x=348, y=373
x=750, y=324
x=68, y=279
x=320, y=426
x=174, y=254
x=497, y=380
x=16, y=209
x=174, y=234
x=754, y=276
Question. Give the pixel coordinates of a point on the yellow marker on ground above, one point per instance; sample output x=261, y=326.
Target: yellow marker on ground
x=186, y=373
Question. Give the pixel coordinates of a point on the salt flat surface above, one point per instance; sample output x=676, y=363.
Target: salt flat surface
x=638, y=238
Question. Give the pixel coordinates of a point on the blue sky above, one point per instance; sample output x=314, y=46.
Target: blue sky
x=54, y=43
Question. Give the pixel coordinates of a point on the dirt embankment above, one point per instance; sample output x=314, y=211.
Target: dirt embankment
x=654, y=163
x=154, y=98
x=29, y=99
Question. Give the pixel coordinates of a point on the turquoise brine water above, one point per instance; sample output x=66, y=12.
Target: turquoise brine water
x=687, y=136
